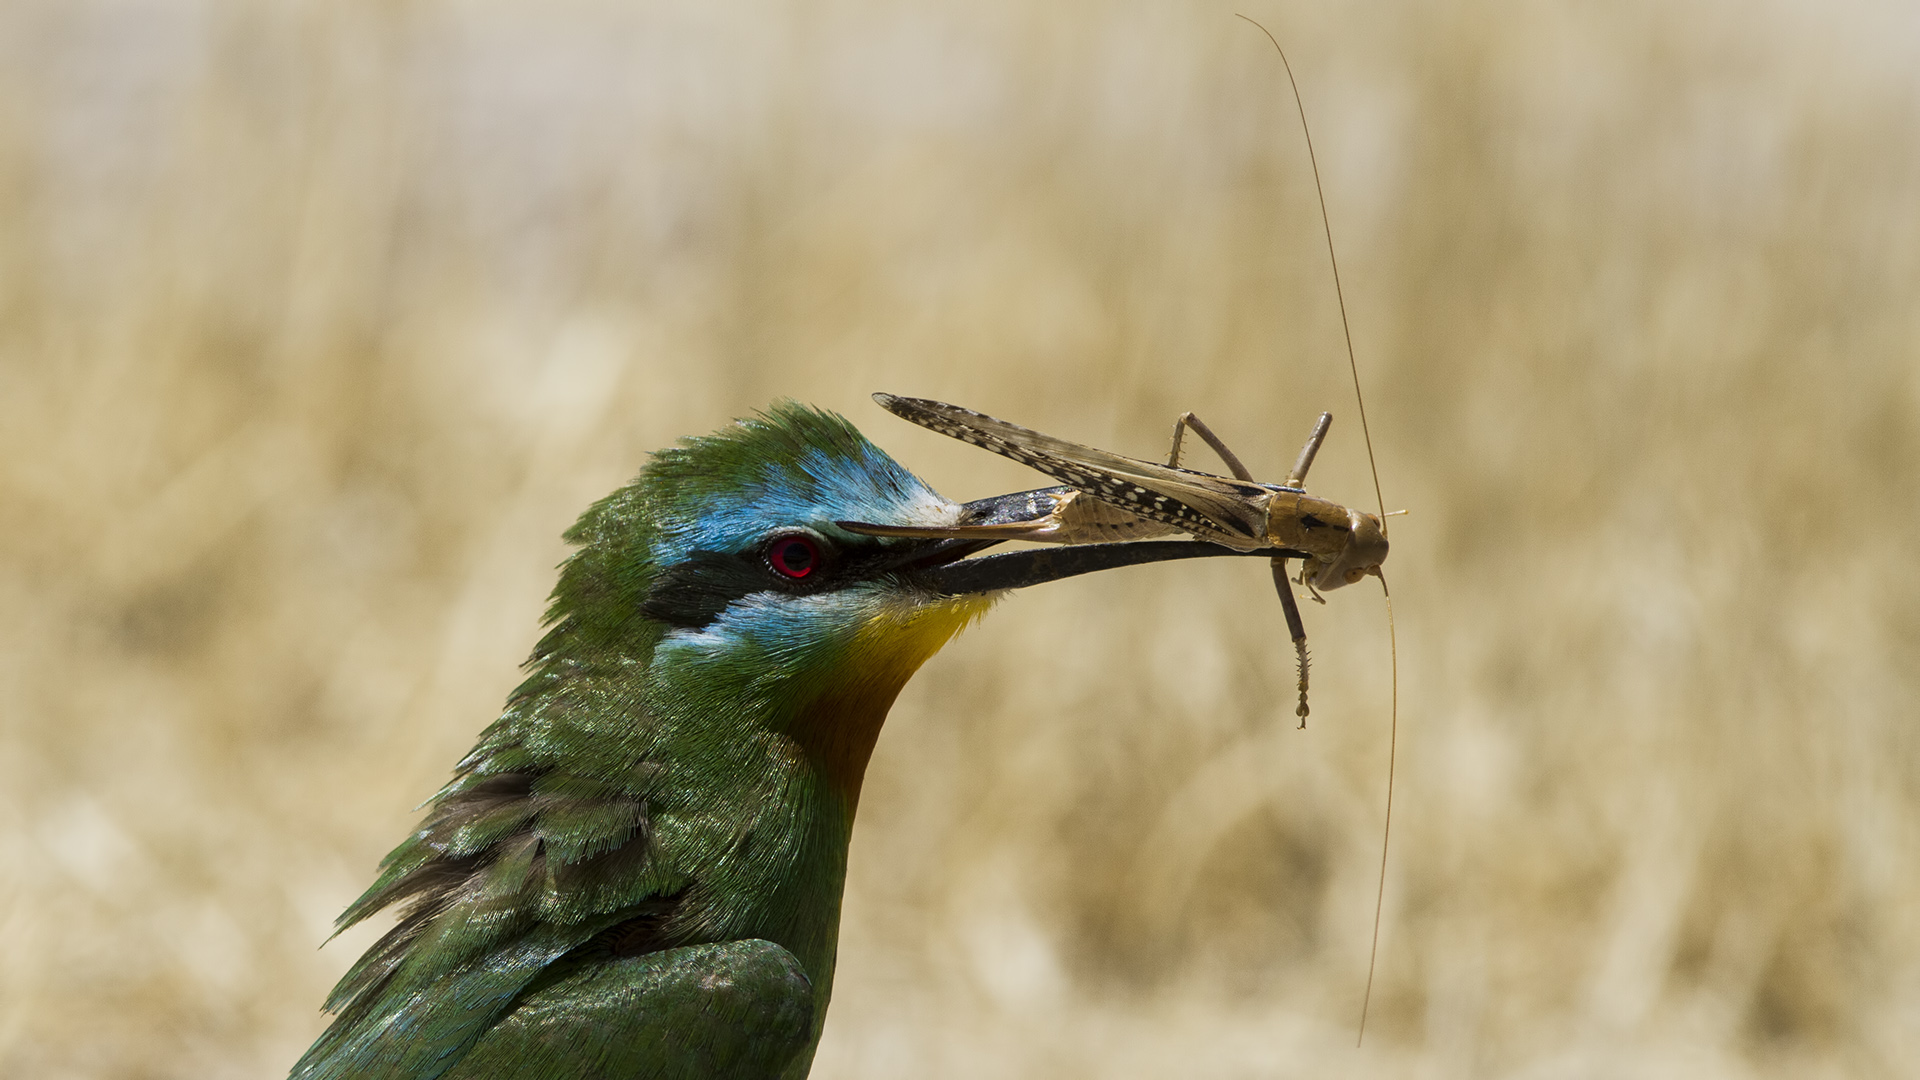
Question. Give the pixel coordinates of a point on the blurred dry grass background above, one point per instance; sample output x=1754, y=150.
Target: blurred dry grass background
x=319, y=321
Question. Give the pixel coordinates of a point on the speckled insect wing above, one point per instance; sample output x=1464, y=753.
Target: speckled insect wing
x=1213, y=508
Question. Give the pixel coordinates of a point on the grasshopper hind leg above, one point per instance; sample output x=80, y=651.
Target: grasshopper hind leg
x=1188, y=420
x=1296, y=628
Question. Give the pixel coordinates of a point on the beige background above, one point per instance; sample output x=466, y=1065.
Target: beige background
x=321, y=319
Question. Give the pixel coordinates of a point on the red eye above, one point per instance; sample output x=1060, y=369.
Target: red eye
x=793, y=557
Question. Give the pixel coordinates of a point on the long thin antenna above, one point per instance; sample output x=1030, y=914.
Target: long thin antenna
x=1326, y=224
x=1386, y=830
x=1366, y=433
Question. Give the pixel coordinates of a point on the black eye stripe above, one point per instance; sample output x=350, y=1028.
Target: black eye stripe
x=692, y=593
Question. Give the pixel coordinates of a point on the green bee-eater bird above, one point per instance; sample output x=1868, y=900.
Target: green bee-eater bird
x=637, y=870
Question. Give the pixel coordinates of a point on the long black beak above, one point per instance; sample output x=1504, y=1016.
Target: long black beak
x=944, y=566
x=1035, y=566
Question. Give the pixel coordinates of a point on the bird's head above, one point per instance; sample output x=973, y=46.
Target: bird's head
x=732, y=537
x=726, y=571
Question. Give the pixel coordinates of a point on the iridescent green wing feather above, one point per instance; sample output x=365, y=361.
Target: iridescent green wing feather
x=512, y=873
x=737, y=1010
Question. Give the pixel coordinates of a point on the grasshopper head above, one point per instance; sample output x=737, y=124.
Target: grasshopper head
x=1365, y=550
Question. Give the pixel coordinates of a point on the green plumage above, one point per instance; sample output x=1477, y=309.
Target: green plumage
x=637, y=870
x=697, y=1002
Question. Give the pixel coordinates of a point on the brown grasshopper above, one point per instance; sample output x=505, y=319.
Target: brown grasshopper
x=1110, y=497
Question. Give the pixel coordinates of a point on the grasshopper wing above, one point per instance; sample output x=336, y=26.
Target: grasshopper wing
x=1232, y=513
x=1056, y=515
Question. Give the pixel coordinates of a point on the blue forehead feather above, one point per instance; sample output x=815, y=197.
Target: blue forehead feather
x=792, y=465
